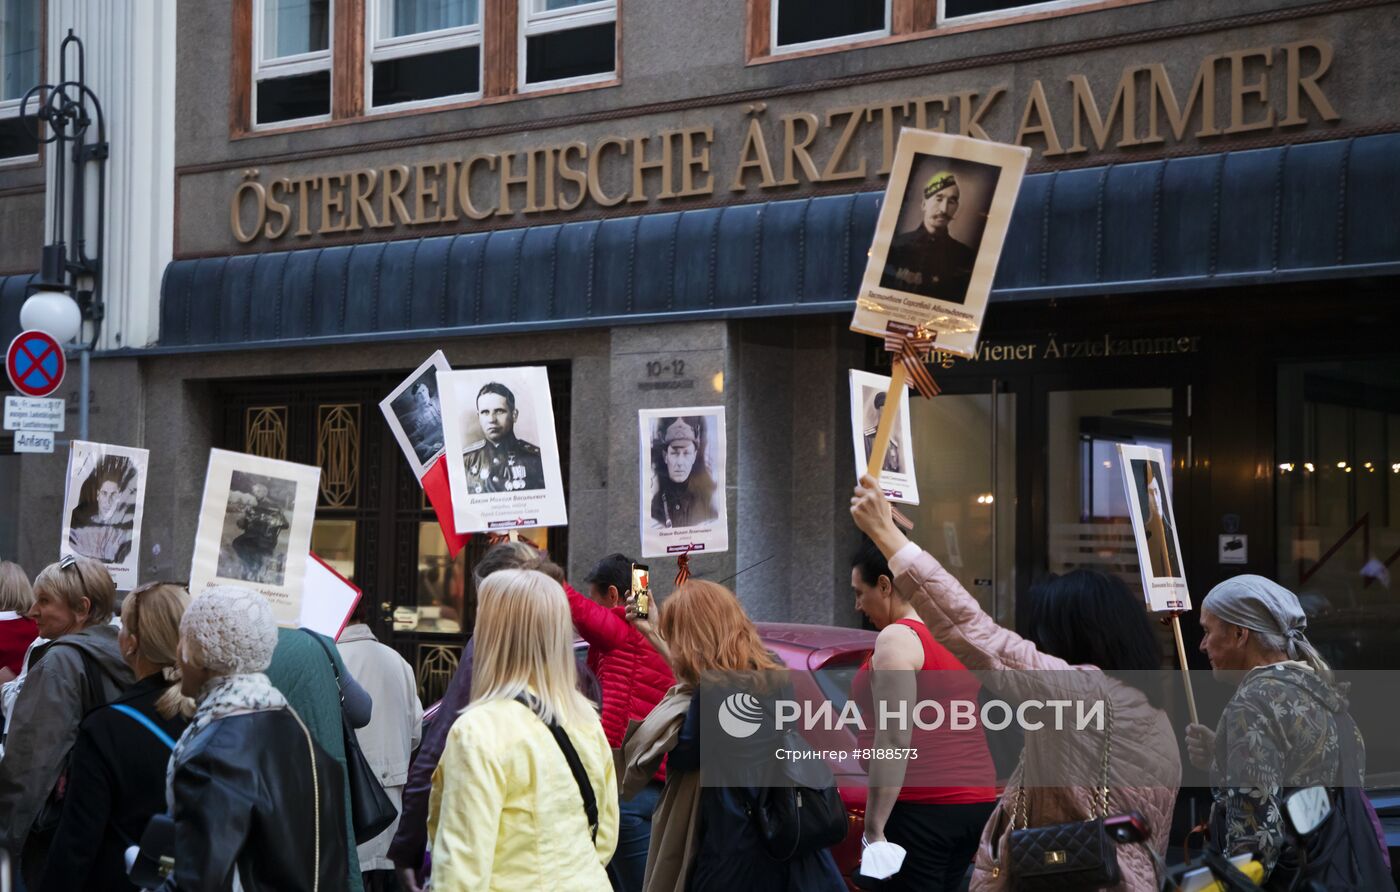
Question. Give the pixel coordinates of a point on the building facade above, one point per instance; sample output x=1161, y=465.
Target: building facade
x=670, y=205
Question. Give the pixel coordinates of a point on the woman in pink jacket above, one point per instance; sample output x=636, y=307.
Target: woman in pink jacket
x=1081, y=623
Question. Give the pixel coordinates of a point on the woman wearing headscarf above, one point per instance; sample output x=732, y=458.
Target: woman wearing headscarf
x=257, y=805
x=1286, y=726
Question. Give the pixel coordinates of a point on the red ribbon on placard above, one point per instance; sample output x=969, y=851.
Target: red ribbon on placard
x=910, y=344
x=683, y=567
x=439, y=494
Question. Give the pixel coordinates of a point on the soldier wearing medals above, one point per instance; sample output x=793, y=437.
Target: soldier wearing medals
x=927, y=260
x=685, y=491
x=502, y=462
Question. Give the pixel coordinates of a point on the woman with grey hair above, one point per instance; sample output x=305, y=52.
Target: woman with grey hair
x=255, y=802
x=1286, y=726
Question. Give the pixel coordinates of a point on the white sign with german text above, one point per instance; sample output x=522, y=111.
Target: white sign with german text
x=33, y=441
x=23, y=413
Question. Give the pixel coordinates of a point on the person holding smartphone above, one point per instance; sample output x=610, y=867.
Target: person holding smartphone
x=634, y=678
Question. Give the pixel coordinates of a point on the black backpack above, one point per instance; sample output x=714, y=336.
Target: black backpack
x=804, y=817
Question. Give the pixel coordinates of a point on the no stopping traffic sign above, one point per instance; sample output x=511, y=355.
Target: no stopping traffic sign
x=35, y=363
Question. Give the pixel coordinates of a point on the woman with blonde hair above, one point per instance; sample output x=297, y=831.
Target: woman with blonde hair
x=707, y=838
x=81, y=669
x=117, y=780
x=525, y=795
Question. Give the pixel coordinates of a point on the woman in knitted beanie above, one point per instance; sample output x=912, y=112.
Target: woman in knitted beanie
x=244, y=803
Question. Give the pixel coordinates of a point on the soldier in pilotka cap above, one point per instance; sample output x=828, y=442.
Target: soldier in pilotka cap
x=927, y=260
x=502, y=462
x=685, y=494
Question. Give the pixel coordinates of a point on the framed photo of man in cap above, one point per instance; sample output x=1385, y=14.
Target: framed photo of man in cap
x=897, y=478
x=1154, y=527
x=102, y=507
x=414, y=413
x=939, y=237
x=683, y=505
x=502, y=455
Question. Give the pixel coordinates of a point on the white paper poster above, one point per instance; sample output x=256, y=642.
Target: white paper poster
x=414, y=413
x=1154, y=527
x=255, y=529
x=503, y=458
x=683, y=504
x=897, y=476
x=937, y=242
x=102, y=504
x=328, y=599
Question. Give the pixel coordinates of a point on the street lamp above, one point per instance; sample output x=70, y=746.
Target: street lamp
x=70, y=109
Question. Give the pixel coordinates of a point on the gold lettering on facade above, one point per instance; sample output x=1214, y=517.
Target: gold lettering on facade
x=1143, y=109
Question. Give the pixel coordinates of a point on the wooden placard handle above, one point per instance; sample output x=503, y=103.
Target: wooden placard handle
x=888, y=414
x=1185, y=669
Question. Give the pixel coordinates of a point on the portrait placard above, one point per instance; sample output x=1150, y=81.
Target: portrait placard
x=414, y=413
x=683, y=496
x=1154, y=528
x=102, y=504
x=255, y=529
x=897, y=478
x=502, y=456
x=944, y=218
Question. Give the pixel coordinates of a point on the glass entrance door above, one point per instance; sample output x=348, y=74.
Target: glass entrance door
x=1087, y=519
x=966, y=467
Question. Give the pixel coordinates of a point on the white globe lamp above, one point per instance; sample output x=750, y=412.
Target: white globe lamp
x=54, y=313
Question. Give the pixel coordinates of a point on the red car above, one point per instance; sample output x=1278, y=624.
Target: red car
x=806, y=649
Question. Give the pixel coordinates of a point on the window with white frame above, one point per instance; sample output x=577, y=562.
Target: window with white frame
x=291, y=60
x=976, y=10
x=811, y=24
x=19, y=72
x=565, y=42
x=422, y=51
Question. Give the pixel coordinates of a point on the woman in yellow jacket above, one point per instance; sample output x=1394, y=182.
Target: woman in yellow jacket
x=506, y=812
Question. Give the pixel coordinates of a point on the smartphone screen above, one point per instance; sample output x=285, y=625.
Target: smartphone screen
x=641, y=588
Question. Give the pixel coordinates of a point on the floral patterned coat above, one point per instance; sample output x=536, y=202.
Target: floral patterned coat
x=1278, y=732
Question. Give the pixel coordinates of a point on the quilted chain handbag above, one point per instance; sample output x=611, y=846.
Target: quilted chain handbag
x=1072, y=855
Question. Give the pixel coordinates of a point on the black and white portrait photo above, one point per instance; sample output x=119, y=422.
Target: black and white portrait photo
x=503, y=460
x=897, y=478
x=414, y=413
x=102, y=511
x=1154, y=527
x=683, y=499
x=944, y=218
x=257, y=527
x=1155, y=511
x=940, y=227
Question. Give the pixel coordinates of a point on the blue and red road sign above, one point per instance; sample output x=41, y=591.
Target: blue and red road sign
x=35, y=363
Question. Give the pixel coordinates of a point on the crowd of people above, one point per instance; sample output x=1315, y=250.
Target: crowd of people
x=199, y=722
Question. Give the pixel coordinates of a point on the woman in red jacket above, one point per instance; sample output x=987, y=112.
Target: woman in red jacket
x=17, y=630
x=634, y=678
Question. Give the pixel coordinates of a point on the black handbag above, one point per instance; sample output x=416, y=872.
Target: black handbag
x=1072, y=855
x=806, y=817
x=371, y=811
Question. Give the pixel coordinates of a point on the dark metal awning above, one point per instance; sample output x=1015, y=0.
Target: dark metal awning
x=1311, y=211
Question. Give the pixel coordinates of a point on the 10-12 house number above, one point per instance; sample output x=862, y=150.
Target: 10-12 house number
x=670, y=368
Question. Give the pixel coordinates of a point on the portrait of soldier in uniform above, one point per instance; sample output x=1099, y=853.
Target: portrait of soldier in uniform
x=872, y=425
x=256, y=529
x=684, y=490
x=501, y=461
x=102, y=524
x=1157, y=523
x=928, y=259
